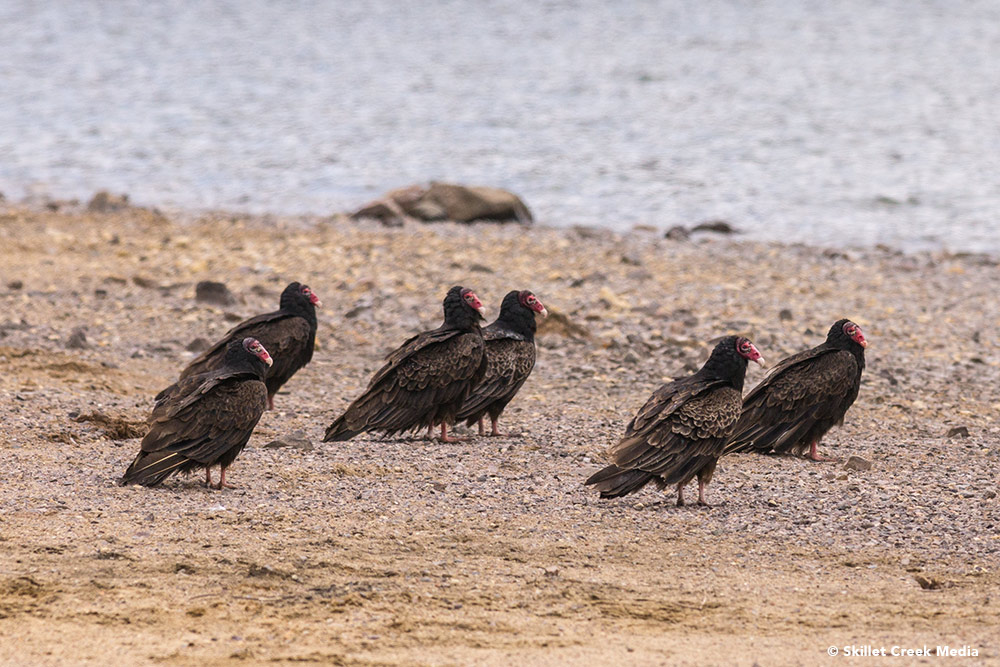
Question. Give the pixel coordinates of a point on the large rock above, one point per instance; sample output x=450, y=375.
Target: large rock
x=446, y=201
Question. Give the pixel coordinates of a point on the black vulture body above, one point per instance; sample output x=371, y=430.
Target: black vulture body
x=682, y=429
x=425, y=381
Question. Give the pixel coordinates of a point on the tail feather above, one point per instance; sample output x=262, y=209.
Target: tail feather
x=149, y=469
x=338, y=431
x=614, y=482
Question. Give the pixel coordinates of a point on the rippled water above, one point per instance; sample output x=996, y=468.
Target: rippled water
x=839, y=123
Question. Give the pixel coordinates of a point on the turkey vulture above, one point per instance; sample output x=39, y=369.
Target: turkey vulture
x=510, y=356
x=204, y=419
x=804, y=396
x=682, y=429
x=426, y=380
x=289, y=333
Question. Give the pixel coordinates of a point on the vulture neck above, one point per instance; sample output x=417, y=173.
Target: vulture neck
x=726, y=365
x=298, y=306
x=518, y=320
x=241, y=362
x=461, y=318
x=852, y=347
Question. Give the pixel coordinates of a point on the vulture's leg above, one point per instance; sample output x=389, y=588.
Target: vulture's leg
x=680, y=495
x=814, y=456
x=208, y=476
x=270, y=401
x=482, y=427
x=496, y=431
x=701, y=491
x=222, y=480
x=447, y=438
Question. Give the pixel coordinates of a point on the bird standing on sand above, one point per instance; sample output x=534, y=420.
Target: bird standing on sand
x=289, y=333
x=804, y=396
x=426, y=380
x=682, y=429
x=205, y=419
x=510, y=356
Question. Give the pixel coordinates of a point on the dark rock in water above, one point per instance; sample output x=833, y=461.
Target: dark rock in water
x=957, y=432
x=198, y=344
x=295, y=439
x=716, y=226
x=446, y=201
x=468, y=203
x=677, y=233
x=105, y=202
x=385, y=210
x=428, y=211
x=208, y=291
x=77, y=339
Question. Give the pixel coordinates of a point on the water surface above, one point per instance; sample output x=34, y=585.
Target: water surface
x=835, y=123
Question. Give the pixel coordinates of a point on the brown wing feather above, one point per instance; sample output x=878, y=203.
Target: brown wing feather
x=198, y=423
x=411, y=347
x=679, y=433
x=423, y=388
x=689, y=425
x=508, y=364
x=798, y=402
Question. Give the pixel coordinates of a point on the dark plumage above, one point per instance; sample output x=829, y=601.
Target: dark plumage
x=288, y=333
x=510, y=356
x=205, y=419
x=804, y=396
x=682, y=429
x=426, y=380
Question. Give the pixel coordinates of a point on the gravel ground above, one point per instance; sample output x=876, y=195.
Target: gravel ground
x=490, y=551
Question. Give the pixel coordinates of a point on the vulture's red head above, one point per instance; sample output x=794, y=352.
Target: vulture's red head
x=531, y=302
x=309, y=294
x=748, y=350
x=853, y=331
x=472, y=301
x=253, y=346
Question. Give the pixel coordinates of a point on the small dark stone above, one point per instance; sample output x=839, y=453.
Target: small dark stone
x=15, y=284
x=295, y=440
x=144, y=282
x=857, y=463
x=785, y=315
x=480, y=268
x=677, y=233
x=631, y=260
x=716, y=226
x=105, y=202
x=957, y=432
x=77, y=339
x=208, y=291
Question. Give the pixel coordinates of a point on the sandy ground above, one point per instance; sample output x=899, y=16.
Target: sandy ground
x=489, y=551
